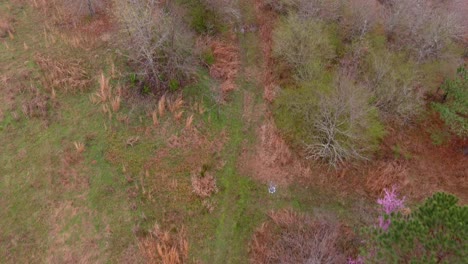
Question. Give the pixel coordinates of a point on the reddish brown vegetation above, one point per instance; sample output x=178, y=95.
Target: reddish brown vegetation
x=225, y=66
x=36, y=107
x=204, y=185
x=162, y=247
x=70, y=171
x=63, y=75
x=272, y=159
x=385, y=175
x=6, y=28
x=290, y=237
x=430, y=168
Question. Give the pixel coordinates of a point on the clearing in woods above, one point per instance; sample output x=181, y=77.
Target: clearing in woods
x=88, y=168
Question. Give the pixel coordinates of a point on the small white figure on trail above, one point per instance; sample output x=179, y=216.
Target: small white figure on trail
x=271, y=188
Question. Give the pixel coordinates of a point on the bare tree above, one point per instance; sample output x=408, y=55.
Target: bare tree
x=158, y=43
x=341, y=124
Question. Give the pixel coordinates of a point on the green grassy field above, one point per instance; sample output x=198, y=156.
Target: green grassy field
x=58, y=205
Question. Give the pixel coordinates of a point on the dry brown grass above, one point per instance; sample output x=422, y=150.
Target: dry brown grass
x=162, y=247
x=115, y=103
x=385, y=175
x=105, y=90
x=291, y=237
x=6, y=27
x=71, y=170
x=132, y=141
x=175, y=104
x=62, y=235
x=162, y=106
x=178, y=115
x=188, y=122
x=36, y=107
x=272, y=160
x=225, y=66
x=79, y=147
x=154, y=117
x=63, y=75
x=204, y=185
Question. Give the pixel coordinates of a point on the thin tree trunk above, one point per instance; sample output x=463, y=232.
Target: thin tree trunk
x=91, y=9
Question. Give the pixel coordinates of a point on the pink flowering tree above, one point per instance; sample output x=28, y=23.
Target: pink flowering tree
x=390, y=203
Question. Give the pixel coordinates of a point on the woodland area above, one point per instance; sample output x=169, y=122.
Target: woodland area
x=233, y=131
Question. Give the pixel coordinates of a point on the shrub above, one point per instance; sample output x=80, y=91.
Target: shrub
x=436, y=232
x=228, y=10
x=305, y=46
x=454, y=109
x=203, y=19
x=204, y=186
x=290, y=237
x=158, y=44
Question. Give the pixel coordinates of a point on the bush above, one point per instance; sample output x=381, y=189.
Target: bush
x=304, y=45
x=436, y=232
x=290, y=237
x=158, y=44
x=454, y=109
x=203, y=19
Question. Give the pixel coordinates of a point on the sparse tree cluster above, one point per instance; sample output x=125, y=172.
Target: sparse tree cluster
x=378, y=47
x=424, y=28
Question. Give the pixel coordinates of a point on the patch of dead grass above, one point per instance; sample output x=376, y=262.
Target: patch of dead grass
x=272, y=160
x=36, y=107
x=385, y=175
x=204, y=184
x=63, y=75
x=291, y=237
x=6, y=27
x=163, y=247
x=62, y=247
x=226, y=65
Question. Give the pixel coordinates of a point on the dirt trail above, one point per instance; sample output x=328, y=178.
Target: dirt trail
x=271, y=161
